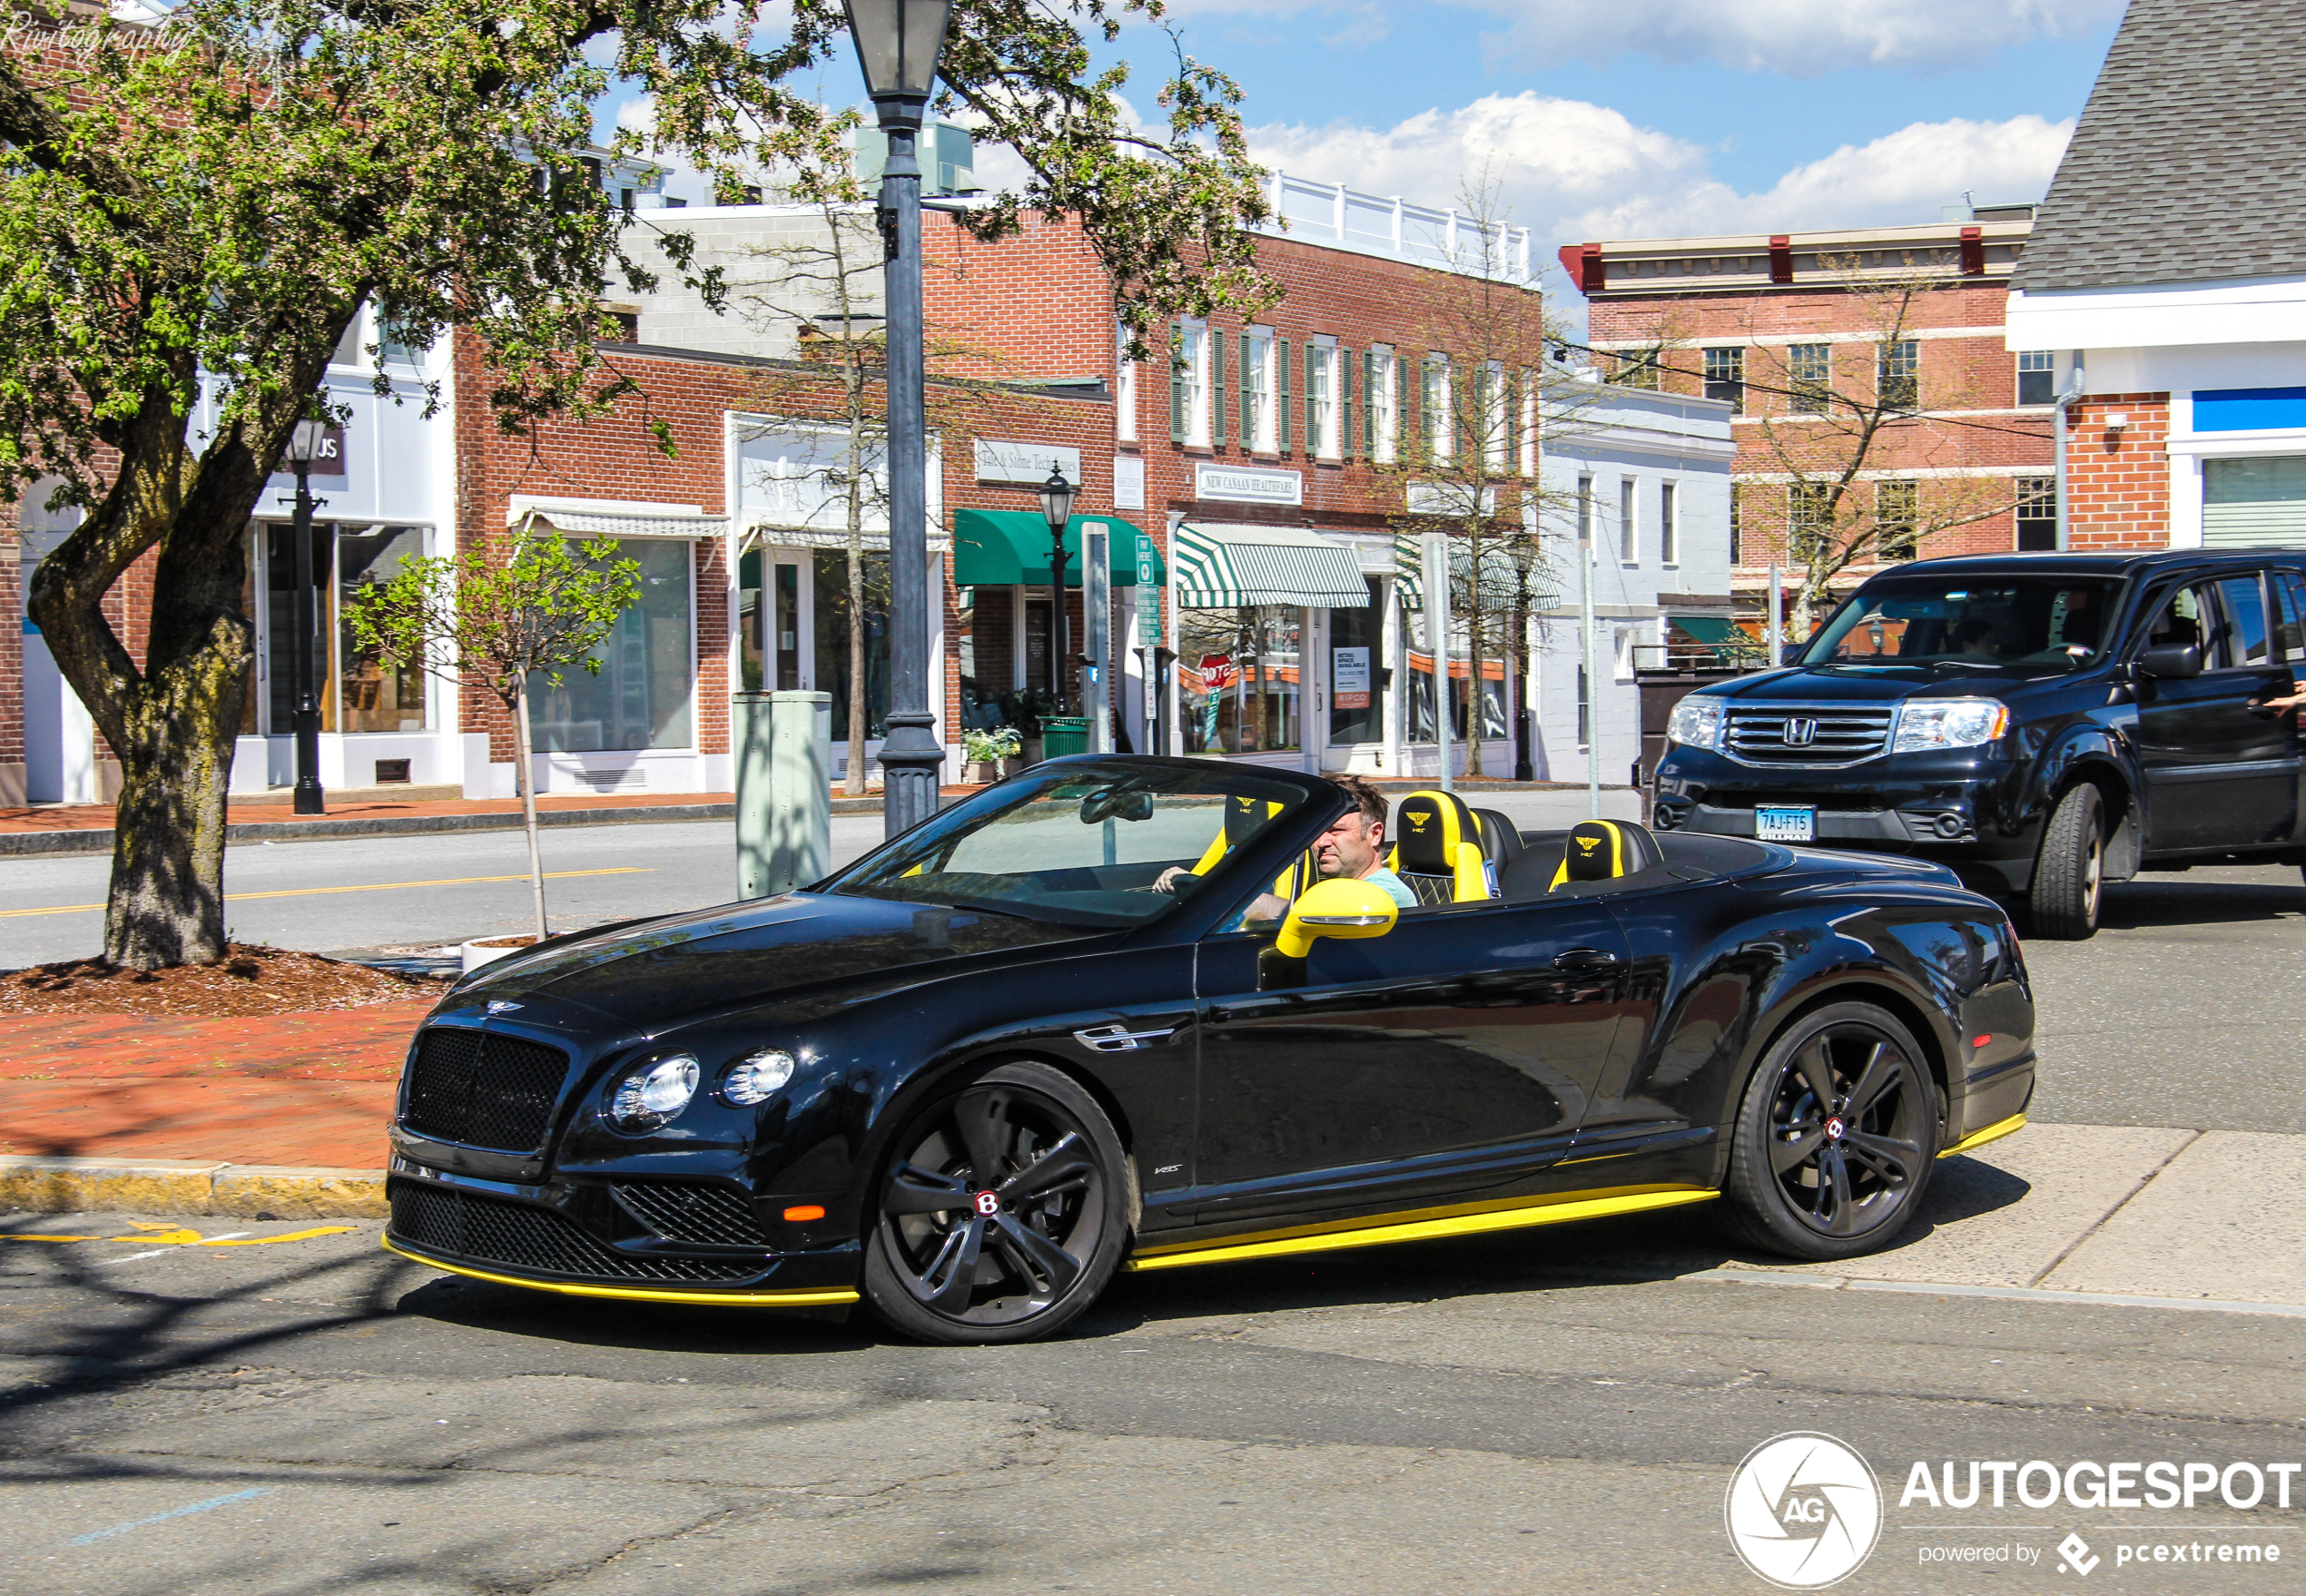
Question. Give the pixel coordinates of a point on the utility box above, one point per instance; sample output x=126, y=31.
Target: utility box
x=784, y=790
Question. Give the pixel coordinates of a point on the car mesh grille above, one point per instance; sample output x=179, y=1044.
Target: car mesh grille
x=707, y=1216
x=483, y=1089
x=1801, y=735
x=465, y=1225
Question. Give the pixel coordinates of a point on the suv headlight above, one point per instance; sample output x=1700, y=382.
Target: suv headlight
x=654, y=1094
x=1696, y=723
x=1950, y=723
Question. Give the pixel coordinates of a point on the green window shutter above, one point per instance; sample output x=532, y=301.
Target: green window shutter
x=1345, y=403
x=1177, y=382
x=1368, y=405
x=1281, y=364
x=1248, y=410
x=1216, y=388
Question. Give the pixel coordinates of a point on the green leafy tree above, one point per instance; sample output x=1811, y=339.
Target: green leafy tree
x=192, y=214
x=495, y=617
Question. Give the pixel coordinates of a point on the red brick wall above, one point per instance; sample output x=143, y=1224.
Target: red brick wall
x=2119, y=482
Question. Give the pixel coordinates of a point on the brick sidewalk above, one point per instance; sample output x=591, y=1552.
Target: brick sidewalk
x=312, y=1089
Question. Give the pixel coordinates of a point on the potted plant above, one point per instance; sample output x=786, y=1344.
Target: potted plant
x=987, y=751
x=1023, y=708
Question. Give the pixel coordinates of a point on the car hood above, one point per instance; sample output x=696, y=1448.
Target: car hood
x=690, y=966
x=1856, y=684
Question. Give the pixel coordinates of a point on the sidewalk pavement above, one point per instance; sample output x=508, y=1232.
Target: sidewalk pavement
x=284, y=1116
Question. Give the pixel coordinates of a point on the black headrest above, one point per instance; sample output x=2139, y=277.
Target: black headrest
x=1427, y=828
x=1243, y=816
x=1598, y=849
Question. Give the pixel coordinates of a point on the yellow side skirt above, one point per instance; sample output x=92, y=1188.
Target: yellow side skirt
x=1995, y=1132
x=820, y=1297
x=1539, y=1211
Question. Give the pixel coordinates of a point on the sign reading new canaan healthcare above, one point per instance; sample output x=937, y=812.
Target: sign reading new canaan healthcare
x=1026, y=464
x=1349, y=678
x=1244, y=485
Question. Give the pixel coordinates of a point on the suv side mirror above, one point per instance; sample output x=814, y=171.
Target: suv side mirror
x=2173, y=662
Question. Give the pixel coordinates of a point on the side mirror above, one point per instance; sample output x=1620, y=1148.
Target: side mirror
x=1336, y=908
x=2173, y=662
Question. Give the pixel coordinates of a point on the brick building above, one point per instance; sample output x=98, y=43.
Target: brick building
x=2168, y=273
x=1779, y=324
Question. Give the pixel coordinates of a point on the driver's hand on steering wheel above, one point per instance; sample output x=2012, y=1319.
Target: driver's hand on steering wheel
x=1172, y=880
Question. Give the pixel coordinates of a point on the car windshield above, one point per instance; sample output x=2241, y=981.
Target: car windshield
x=1993, y=622
x=1079, y=844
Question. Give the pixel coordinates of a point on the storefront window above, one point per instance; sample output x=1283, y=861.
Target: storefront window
x=372, y=697
x=280, y=625
x=644, y=695
x=833, y=623
x=1356, y=638
x=1244, y=695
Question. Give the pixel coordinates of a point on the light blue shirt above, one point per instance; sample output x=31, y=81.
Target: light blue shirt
x=1392, y=886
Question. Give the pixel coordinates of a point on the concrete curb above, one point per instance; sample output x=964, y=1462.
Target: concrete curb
x=156, y=1186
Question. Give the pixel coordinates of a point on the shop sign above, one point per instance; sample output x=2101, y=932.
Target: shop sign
x=1148, y=598
x=327, y=460
x=1246, y=486
x=1026, y=464
x=1349, y=677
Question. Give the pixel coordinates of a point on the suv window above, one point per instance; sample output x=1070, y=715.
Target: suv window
x=2244, y=604
x=2290, y=591
x=2183, y=620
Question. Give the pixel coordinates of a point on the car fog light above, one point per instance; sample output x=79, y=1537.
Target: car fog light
x=654, y=1094
x=756, y=1079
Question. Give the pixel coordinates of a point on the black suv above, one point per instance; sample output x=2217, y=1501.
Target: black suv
x=2041, y=722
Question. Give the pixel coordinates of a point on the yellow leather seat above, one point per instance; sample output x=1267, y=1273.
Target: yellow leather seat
x=1437, y=849
x=1603, y=849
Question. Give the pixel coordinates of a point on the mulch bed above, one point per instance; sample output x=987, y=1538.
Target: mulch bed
x=250, y=980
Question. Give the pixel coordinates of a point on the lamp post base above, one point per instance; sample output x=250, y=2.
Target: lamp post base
x=910, y=762
x=309, y=798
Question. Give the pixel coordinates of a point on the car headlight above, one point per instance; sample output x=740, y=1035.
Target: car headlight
x=1950, y=723
x=1696, y=723
x=755, y=1077
x=654, y=1093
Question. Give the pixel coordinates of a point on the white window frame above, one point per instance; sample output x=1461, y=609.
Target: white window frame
x=1669, y=522
x=1439, y=423
x=1195, y=338
x=1497, y=448
x=1529, y=422
x=1385, y=397
x=1263, y=436
x=1324, y=437
x=1621, y=651
x=1125, y=389
x=1630, y=521
x=1584, y=511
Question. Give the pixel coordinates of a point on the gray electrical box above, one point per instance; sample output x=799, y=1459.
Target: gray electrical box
x=784, y=790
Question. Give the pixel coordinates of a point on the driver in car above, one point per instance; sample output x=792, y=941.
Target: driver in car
x=1351, y=849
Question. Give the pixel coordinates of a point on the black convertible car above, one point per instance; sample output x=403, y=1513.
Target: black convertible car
x=971, y=1076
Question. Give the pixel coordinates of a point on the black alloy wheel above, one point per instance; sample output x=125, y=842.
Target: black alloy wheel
x=1004, y=1211
x=1837, y=1138
x=2069, y=875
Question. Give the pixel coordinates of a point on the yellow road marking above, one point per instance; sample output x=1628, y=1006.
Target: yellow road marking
x=461, y=881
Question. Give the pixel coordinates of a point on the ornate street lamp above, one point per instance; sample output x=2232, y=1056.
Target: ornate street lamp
x=1057, y=508
x=304, y=443
x=898, y=45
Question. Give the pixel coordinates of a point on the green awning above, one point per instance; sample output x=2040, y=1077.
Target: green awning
x=1221, y=565
x=1730, y=643
x=1008, y=549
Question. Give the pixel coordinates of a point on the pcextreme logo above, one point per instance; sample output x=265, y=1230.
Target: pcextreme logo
x=1803, y=1510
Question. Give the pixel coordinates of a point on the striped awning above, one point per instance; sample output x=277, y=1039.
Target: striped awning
x=1500, y=579
x=594, y=518
x=1223, y=563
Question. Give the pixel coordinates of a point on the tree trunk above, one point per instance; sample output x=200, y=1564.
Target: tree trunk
x=1475, y=720
x=859, y=728
x=522, y=757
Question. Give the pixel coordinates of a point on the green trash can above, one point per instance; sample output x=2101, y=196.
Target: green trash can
x=1062, y=735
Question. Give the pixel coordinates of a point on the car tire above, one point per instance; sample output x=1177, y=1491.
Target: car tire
x=1836, y=1139
x=1018, y=1252
x=2069, y=875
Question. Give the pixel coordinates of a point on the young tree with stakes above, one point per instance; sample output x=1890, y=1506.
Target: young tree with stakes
x=193, y=213
x=495, y=617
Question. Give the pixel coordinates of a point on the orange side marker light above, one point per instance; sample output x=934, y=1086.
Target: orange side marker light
x=805, y=1212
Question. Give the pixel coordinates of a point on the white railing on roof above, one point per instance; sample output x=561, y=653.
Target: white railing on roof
x=1383, y=224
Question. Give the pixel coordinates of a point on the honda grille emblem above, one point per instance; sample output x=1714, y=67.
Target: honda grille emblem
x=1800, y=733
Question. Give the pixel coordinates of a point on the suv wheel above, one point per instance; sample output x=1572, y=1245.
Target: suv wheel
x=2069, y=875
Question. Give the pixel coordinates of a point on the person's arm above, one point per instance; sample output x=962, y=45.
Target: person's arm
x=2296, y=698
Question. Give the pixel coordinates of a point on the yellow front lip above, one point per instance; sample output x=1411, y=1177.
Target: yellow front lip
x=821, y=1297
x=1993, y=1132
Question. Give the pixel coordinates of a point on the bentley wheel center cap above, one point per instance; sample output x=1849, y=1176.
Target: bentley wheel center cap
x=1834, y=1128
x=988, y=1203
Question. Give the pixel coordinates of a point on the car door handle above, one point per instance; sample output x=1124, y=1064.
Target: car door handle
x=1585, y=962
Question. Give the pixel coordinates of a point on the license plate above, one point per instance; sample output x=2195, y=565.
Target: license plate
x=1785, y=826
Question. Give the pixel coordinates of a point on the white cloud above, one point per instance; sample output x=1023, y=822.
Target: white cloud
x=1800, y=38
x=1573, y=170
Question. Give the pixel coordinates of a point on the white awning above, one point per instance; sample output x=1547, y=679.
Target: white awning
x=615, y=517
x=1223, y=563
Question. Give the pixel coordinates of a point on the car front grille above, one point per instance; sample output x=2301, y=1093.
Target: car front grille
x=1791, y=734
x=705, y=1216
x=465, y=1225
x=483, y=1089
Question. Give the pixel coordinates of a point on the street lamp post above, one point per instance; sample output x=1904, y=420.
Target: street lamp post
x=898, y=45
x=1057, y=508
x=304, y=442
